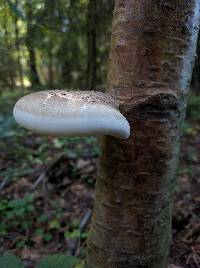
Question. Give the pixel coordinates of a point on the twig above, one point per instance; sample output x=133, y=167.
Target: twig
x=194, y=232
x=73, y=243
x=85, y=221
x=38, y=181
x=46, y=196
x=4, y=183
x=8, y=178
x=43, y=176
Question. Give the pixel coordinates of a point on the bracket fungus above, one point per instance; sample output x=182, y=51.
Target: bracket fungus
x=71, y=113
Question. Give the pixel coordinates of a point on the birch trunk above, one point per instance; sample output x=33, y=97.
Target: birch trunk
x=151, y=60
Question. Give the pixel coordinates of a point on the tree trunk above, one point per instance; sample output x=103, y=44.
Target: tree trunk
x=69, y=49
x=34, y=77
x=92, y=46
x=50, y=7
x=20, y=69
x=196, y=72
x=50, y=67
x=151, y=60
x=9, y=78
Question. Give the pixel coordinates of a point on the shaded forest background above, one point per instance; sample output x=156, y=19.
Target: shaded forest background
x=58, y=44
x=47, y=184
x=54, y=43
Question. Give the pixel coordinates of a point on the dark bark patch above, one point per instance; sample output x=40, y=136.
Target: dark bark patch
x=161, y=106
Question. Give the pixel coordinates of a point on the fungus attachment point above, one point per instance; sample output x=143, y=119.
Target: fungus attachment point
x=68, y=113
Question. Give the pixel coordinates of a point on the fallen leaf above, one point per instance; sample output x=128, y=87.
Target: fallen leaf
x=28, y=253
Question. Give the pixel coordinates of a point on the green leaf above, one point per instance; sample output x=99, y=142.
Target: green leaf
x=39, y=232
x=54, y=224
x=73, y=234
x=42, y=218
x=81, y=264
x=76, y=234
x=57, y=261
x=47, y=237
x=15, y=10
x=10, y=261
x=3, y=231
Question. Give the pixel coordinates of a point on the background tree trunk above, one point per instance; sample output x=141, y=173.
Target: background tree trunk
x=50, y=7
x=151, y=60
x=34, y=77
x=9, y=79
x=68, y=53
x=17, y=44
x=196, y=72
x=92, y=45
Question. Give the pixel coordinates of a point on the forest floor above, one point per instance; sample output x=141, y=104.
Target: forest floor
x=47, y=191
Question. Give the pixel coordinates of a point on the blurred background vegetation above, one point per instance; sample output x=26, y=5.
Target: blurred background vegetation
x=47, y=184
x=57, y=43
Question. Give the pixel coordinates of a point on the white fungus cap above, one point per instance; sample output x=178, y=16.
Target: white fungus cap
x=71, y=113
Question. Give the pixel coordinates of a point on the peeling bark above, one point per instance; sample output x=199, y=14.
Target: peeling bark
x=151, y=60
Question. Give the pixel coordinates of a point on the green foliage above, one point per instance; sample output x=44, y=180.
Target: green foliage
x=53, y=261
x=15, y=10
x=58, y=261
x=75, y=234
x=6, y=125
x=193, y=110
x=8, y=66
x=54, y=224
x=26, y=154
x=10, y=261
x=56, y=33
x=188, y=129
x=16, y=213
x=185, y=171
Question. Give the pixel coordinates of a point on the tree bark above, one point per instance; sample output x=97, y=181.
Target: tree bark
x=34, y=77
x=151, y=60
x=196, y=72
x=92, y=44
x=17, y=44
x=8, y=77
x=66, y=49
x=50, y=7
